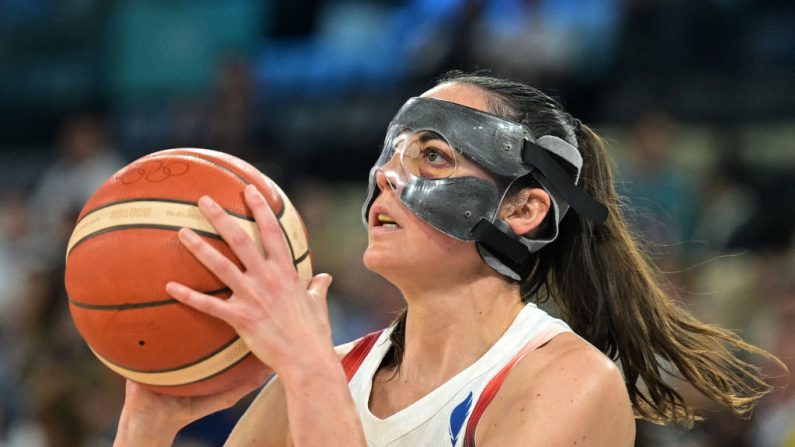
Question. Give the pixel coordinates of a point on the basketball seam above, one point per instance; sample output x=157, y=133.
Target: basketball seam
x=177, y=368
x=301, y=258
x=126, y=306
x=287, y=238
x=144, y=304
x=210, y=376
x=173, y=228
x=159, y=199
x=216, y=236
x=282, y=210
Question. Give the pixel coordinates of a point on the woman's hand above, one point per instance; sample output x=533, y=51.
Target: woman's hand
x=270, y=307
x=153, y=419
x=283, y=322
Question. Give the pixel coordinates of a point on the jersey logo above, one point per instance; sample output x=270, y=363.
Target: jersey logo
x=458, y=416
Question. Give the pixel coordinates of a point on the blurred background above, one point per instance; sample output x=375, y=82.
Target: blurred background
x=697, y=99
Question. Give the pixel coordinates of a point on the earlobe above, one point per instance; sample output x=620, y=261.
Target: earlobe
x=529, y=211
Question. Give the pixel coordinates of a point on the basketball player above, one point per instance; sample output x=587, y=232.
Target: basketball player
x=487, y=197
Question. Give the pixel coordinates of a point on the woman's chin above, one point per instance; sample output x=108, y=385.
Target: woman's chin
x=385, y=264
x=375, y=261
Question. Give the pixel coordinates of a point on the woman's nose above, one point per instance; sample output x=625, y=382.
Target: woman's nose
x=391, y=175
x=382, y=181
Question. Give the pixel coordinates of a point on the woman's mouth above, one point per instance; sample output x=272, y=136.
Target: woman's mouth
x=386, y=221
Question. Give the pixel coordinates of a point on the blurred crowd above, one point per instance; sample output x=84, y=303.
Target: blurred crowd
x=692, y=97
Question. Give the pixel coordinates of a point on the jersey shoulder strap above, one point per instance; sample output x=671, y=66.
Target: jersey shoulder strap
x=354, y=358
x=496, y=382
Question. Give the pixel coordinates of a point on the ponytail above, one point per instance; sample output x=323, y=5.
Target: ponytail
x=609, y=292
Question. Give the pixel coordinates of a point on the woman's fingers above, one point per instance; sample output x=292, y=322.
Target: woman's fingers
x=211, y=305
x=272, y=235
x=211, y=258
x=274, y=242
x=233, y=234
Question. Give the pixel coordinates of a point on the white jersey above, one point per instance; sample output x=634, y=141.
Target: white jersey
x=448, y=415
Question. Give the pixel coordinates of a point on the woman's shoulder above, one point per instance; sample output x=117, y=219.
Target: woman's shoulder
x=565, y=391
x=568, y=351
x=564, y=367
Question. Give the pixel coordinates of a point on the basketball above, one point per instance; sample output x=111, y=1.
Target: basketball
x=124, y=249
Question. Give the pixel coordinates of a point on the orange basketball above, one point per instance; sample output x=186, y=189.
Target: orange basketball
x=124, y=250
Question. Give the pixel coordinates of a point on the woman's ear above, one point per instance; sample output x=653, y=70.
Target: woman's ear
x=526, y=210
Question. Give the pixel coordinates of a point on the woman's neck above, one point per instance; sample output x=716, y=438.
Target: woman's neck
x=448, y=328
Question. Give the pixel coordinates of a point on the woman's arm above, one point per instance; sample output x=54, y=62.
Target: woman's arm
x=265, y=422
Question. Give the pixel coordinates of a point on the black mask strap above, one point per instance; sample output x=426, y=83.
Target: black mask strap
x=544, y=163
x=507, y=249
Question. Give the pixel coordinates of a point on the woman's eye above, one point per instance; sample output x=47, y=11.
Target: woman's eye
x=434, y=155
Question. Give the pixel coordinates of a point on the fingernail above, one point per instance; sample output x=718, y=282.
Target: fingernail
x=205, y=201
x=187, y=234
x=251, y=190
x=174, y=288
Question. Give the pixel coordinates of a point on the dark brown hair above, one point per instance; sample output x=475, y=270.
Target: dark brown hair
x=609, y=291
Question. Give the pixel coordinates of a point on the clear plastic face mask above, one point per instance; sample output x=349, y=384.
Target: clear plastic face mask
x=437, y=182
x=454, y=172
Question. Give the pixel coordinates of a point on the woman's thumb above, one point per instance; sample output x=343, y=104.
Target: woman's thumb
x=319, y=285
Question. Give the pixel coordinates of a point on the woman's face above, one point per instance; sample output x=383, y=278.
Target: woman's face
x=405, y=249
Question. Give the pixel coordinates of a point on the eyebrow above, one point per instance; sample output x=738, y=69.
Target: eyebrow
x=428, y=135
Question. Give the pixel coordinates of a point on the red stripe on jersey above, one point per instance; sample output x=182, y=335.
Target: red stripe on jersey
x=354, y=358
x=496, y=382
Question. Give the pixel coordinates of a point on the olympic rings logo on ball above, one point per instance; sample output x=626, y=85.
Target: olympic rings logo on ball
x=155, y=172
